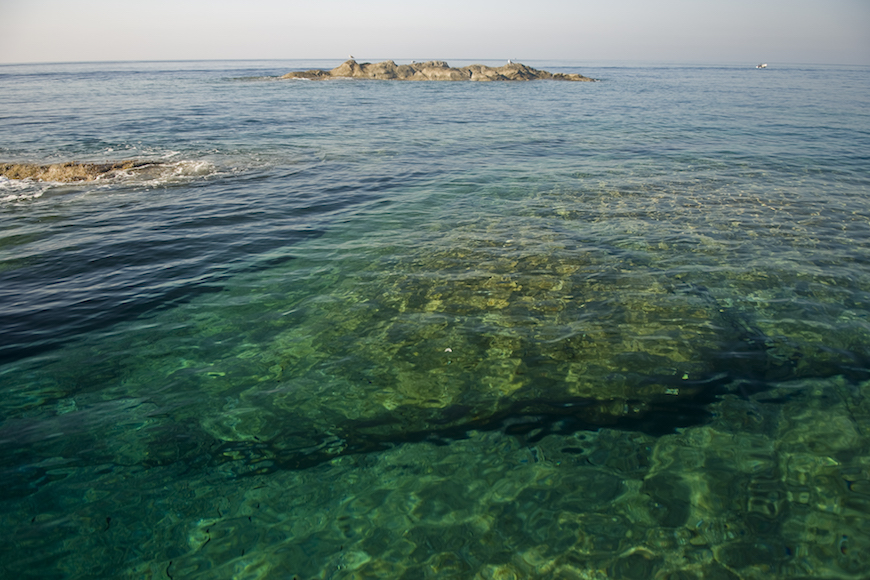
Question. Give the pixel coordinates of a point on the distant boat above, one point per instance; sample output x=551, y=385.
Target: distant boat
x=762, y=65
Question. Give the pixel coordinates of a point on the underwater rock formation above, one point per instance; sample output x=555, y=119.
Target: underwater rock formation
x=435, y=70
x=490, y=325
x=527, y=343
x=70, y=171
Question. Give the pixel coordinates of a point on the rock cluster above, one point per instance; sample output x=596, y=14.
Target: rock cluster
x=435, y=70
x=69, y=171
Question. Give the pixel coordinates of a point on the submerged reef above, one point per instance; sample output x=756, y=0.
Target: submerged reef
x=506, y=336
x=433, y=70
x=70, y=171
x=252, y=429
x=499, y=324
x=495, y=400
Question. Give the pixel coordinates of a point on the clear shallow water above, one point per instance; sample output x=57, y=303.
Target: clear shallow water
x=455, y=330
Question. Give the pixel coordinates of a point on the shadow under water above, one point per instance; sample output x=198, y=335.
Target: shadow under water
x=748, y=362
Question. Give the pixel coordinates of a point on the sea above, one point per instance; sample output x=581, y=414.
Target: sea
x=376, y=329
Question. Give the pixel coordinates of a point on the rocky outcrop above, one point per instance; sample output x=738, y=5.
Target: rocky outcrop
x=434, y=70
x=69, y=171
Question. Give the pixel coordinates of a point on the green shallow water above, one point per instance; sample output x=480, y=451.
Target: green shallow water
x=634, y=346
x=765, y=489
x=488, y=401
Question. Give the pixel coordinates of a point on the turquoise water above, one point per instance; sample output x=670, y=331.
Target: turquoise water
x=353, y=329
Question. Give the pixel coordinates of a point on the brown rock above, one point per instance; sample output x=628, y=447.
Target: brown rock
x=434, y=70
x=69, y=171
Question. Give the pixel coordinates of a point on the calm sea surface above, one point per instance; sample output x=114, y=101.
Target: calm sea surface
x=372, y=329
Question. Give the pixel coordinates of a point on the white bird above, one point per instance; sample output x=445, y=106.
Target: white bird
x=509, y=61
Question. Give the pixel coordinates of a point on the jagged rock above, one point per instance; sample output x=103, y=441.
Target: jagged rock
x=434, y=70
x=69, y=171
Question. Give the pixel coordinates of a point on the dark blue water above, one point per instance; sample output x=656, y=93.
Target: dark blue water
x=421, y=329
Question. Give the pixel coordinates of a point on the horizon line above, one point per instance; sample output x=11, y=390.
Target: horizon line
x=425, y=59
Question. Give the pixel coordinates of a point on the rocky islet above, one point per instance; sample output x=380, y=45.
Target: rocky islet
x=435, y=70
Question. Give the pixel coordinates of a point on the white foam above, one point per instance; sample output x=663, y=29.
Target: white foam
x=186, y=169
x=12, y=190
x=162, y=173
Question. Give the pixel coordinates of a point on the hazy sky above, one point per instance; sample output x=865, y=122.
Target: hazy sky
x=720, y=31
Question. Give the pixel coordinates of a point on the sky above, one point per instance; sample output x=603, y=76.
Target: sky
x=673, y=31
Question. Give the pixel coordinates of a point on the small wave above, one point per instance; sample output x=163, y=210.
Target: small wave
x=21, y=190
x=254, y=79
x=166, y=173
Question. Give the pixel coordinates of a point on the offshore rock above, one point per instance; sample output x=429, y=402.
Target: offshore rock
x=434, y=70
x=70, y=171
